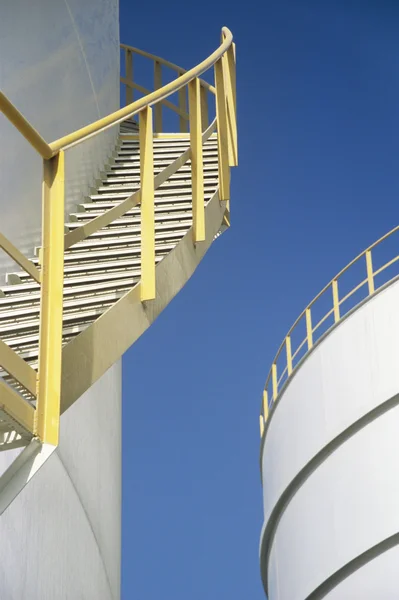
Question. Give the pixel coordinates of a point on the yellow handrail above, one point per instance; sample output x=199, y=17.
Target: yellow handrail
x=311, y=328
x=43, y=420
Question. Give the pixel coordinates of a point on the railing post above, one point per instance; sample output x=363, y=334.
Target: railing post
x=335, y=300
x=274, y=381
x=158, y=106
x=265, y=406
x=229, y=66
x=47, y=417
x=370, y=274
x=261, y=426
x=129, y=75
x=197, y=167
x=289, y=354
x=147, y=205
x=204, y=108
x=223, y=144
x=309, y=330
x=183, y=108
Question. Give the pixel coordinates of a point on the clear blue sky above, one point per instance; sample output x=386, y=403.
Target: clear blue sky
x=318, y=109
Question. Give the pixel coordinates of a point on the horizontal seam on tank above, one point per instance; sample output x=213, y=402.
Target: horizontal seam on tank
x=300, y=364
x=353, y=565
x=90, y=524
x=306, y=471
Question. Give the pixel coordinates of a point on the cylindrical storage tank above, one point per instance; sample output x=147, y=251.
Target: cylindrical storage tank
x=329, y=461
x=60, y=539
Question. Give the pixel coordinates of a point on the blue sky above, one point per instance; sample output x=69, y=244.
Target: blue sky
x=318, y=98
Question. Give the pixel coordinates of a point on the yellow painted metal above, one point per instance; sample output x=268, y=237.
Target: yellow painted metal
x=158, y=106
x=129, y=75
x=146, y=92
x=16, y=408
x=128, y=111
x=289, y=354
x=229, y=70
x=261, y=425
x=335, y=300
x=265, y=405
x=24, y=127
x=223, y=146
x=309, y=330
x=204, y=107
x=50, y=335
x=19, y=258
x=274, y=382
x=370, y=275
x=18, y=368
x=147, y=205
x=197, y=166
x=183, y=108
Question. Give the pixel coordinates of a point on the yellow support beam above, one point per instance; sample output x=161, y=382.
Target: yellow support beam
x=129, y=75
x=229, y=69
x=204, y=108
x=26, y=264
x=183, y=108
x=197, y=166
x=223, y=144
x=158, y=106
x=50, y=337
x=16, y=408
x=17, y=368
x=370, y=274
x=335, y=300
x=147, y=205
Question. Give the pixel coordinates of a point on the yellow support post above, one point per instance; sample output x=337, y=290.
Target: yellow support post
x=261, y=426
x=197, y=166
x=183, y=107
x=274, y=381
x=129, y=75
x=204, y=108
x=335, y=300
x=370, y=274
x=289, y=354
x=147, y=205
x=309, y=329
x=158, y=105
x=265, y=406
x=223, y=144
x=52, y=280
x=229, y=67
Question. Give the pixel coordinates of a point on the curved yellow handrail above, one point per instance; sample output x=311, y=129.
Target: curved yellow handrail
x=82, y=134
x=274, y=381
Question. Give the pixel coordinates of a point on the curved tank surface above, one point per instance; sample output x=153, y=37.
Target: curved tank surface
x=329, y=464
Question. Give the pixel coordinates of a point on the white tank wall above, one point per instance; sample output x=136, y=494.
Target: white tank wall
x=61, y=537
x=59, y=64
x=329, y=465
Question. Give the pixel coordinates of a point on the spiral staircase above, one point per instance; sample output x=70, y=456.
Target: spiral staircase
x=103, y=274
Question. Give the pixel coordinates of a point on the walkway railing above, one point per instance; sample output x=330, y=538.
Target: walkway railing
x=327, y=309
x=45, y=383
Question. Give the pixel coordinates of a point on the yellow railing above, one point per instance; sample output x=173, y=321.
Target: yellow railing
x=45, y=383
x=330, y=305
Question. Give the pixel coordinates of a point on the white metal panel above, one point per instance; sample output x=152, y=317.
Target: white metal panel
x=59, y=64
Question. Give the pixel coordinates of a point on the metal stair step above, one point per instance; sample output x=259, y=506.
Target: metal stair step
x=172, y=155
x=94, y=209
x=124, y=241
x=110, y=253
x=131, y=220
x=117, y=169
x=166, y=187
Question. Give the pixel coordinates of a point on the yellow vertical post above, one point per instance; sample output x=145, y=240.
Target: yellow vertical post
x=47, y=417
x=335, y=300
x=261, y=426
x=129, y=75
x=204, y=108
x=370, y=274
x=309, y=329
x=229, y=66
x=265, y=405
x=183, y=108
x=197, y=166
x=223, y=145
x=289, y=354
x=158, y=106
x=147, y=205
x=274, y=381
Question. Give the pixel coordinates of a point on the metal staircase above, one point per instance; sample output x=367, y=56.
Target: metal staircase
x=126, y=251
